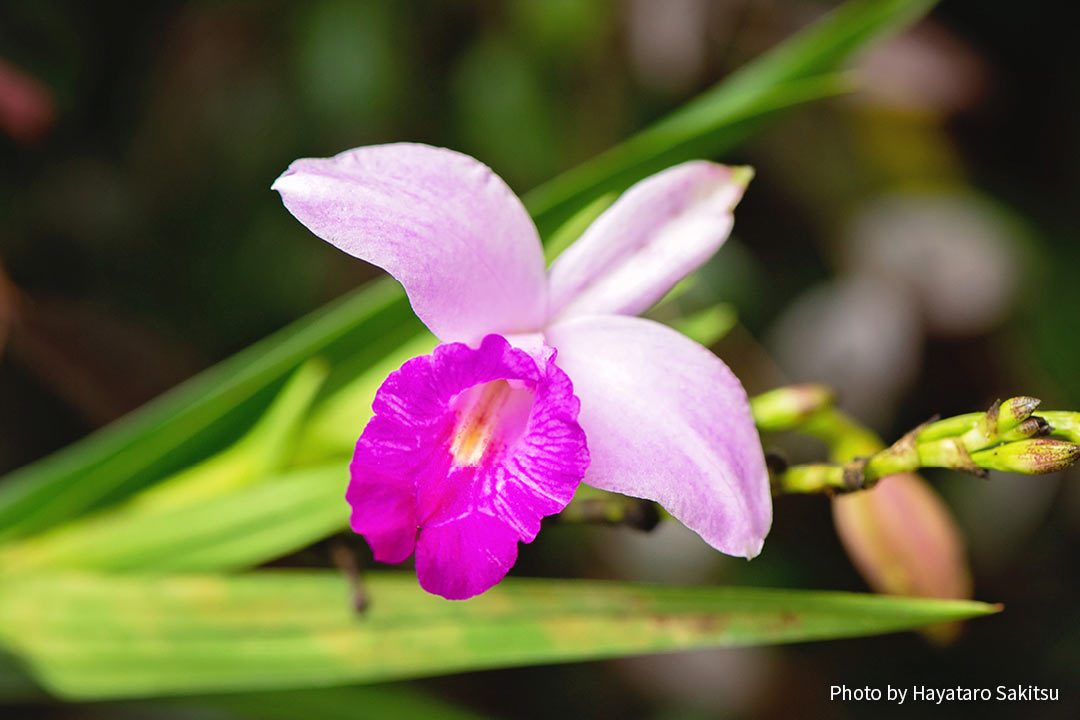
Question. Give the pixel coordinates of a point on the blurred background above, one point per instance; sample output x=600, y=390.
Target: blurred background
x=912, y=245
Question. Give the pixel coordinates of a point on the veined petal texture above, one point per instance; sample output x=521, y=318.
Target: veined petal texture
x=668, y=421
x=443, y=224
x=468, y=449
x=659, y=231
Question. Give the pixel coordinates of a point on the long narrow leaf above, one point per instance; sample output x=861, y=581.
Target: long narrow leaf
x=240, y=529
x=94, y=637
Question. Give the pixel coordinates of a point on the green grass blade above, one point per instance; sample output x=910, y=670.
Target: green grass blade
x=98, y=637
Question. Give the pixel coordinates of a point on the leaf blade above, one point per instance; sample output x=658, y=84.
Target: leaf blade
x=97, y=637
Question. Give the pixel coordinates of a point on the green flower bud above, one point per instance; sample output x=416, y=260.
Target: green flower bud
x=1031, y=457
x=1034, y=426
x=786, y=407
x=1014, y=411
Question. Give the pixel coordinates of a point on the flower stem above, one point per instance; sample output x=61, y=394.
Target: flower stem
x=1008, y=437
x=597, y=507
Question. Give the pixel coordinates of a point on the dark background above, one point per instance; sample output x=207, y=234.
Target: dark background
x=913, y=245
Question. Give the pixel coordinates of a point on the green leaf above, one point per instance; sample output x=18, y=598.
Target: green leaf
x=341, y=703
x=332, y=430
x=239, y=529
x=15, y=684
x=205, y=414
x=226, y=512
x=708, y=325
x=97, y=637
x=710, y=131
x=574, y=226
x=800, y=69
x=263, y=450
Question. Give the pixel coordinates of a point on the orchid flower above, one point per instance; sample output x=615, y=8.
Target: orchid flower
x=544, y=378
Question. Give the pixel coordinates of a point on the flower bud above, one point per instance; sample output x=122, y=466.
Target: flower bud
x=1014, y=411
x=1000, y=422
x=1034, y=426
x=904, y=541
x=783, y=408
x=1034, y=456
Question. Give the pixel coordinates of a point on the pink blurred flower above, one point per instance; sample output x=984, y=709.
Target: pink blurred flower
x=904, y=541
x=472, y=445
x=26, y=108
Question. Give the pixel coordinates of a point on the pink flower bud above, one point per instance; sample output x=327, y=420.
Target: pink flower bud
x=904, y=541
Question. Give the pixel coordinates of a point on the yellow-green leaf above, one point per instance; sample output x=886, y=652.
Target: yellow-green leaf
x=94, y=636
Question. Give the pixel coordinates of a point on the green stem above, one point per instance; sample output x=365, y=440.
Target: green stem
x=597, y=507
x=1064, y=424
x=1006, y=437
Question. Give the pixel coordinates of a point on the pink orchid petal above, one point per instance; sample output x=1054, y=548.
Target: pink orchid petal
x=467, y=450
x=465, y=557
x=655, y=234
x=443, y=224
x=668, y=421
x=384, y=512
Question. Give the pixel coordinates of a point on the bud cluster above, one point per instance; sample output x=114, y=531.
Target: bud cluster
x=1009, y=437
